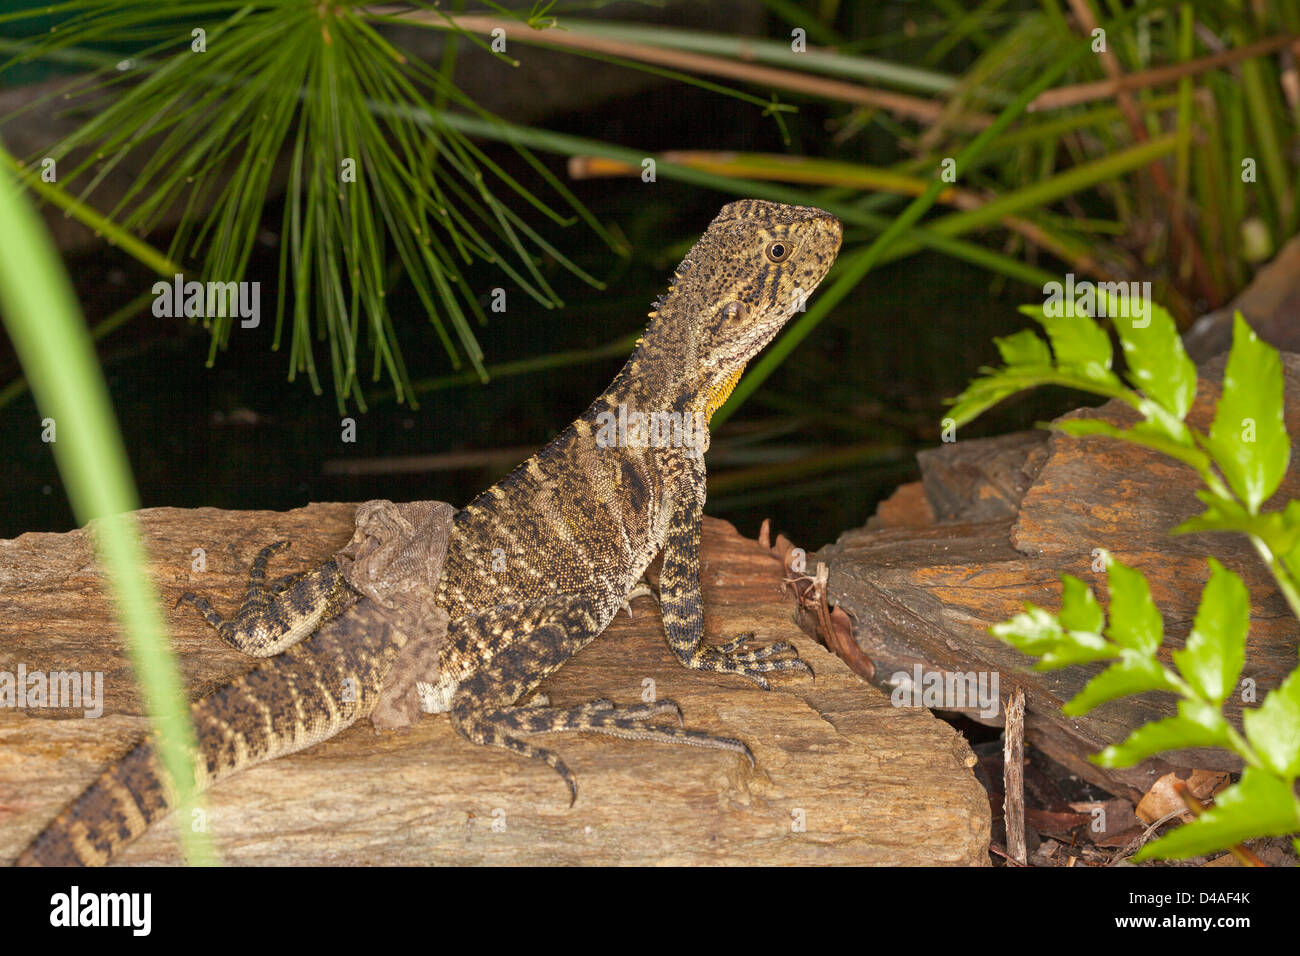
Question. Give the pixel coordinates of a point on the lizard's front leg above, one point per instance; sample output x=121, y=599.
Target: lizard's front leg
x=276, y=616
x=683, y=607
x=541, y=636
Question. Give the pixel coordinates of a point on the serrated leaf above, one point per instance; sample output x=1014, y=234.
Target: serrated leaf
x=1082, y=648
x=1197, y=725
x=1290, y=521
x=1082, y=427
x=1133, y=674
x=981, y=395
x=1134, y=618
x=1039, y=632
x=1222, y=515
x=1257, y=805
x=1280, y=530
x=1079, y=608
x=1157, y=362
x=1248, y=438
x=1078, y=343
x=1216, y=648
x=1273, y=728
x=1161, y=425
x=1024, y=348
x=1033, y=631
x=1152, y=435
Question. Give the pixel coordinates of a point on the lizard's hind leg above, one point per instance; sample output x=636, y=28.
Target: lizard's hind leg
x=483, y=707
x=274, y=617
x=627, y=722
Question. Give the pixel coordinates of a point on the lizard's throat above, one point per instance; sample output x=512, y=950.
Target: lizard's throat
x=718, y=394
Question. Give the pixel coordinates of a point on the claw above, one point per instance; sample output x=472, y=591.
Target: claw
x=641, y=590
x=667, y=706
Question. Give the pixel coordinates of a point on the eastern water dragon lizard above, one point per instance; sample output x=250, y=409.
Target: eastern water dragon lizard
x=577, y=525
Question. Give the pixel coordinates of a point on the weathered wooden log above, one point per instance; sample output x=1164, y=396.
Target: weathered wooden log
x=841, y=776
x=923, y=598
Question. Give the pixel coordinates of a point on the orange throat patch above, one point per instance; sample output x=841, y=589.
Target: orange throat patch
x=718, y=395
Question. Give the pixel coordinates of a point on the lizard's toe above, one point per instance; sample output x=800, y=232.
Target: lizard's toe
x=728, y=658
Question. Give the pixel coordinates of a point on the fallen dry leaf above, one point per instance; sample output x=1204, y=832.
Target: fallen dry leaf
x=1163, y=797
x=833, y=626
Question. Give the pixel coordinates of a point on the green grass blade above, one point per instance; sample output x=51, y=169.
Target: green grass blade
x=44, y=323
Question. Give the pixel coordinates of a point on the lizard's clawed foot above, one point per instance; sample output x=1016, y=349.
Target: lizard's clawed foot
x=257, y=585
x=728, y=658
x=210, y=615
x=506, y=727
x=641, y=590
x=275, y=616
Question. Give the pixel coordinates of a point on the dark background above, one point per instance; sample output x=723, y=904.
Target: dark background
x=239, y=435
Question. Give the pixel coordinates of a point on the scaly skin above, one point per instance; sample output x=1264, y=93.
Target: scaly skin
x=536, y=566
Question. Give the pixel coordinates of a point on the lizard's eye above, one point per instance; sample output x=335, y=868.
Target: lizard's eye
x=778, y=251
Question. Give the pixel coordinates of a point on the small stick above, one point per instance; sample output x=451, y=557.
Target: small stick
x=901, y=104
x=993, y=847
x=1160, y=76
x=1013, y=777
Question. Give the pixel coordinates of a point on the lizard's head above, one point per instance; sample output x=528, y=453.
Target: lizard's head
x=750, y=271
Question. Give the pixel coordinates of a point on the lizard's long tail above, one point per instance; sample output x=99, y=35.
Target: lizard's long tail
x=304, y=696
x=112, y=812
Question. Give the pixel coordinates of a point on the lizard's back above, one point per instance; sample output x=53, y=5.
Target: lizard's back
x=577, y=518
